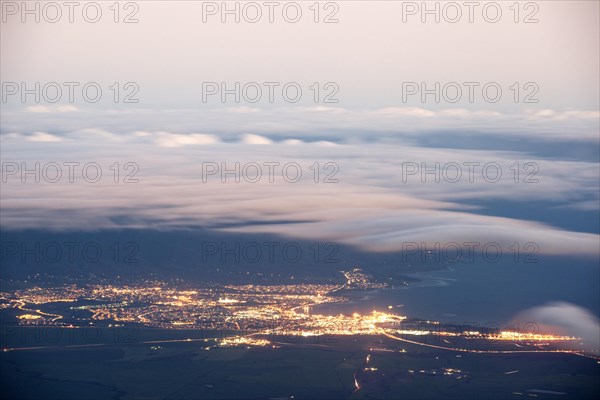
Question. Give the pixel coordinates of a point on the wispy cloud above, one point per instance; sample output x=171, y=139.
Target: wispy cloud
x=370, y=206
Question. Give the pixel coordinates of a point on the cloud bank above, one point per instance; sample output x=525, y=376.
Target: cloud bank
x=359, y=194
x=566, y=319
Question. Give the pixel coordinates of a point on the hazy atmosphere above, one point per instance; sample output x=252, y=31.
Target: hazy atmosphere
x=311, y=199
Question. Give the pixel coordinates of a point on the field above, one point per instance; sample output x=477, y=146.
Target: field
x=307, y=368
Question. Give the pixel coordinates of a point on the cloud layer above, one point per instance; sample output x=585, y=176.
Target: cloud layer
x=367, y=195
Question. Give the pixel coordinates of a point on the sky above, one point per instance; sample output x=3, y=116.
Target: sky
x=371, y=130
x=369, y=52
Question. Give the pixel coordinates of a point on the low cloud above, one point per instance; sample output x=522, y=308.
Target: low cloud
x=339, y=124
x=165, y=139
x=565, y=319
x=43, y=137
x=250, y=138
x=372, y=204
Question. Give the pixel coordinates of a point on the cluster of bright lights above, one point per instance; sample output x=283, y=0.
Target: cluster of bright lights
x=29, y=316
x=529, y=337
x=243, y=341
x=228, y=301
x=267, y=310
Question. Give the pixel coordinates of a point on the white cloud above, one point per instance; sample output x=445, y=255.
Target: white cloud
x=66, y=108
x=43, y=137
x=164, y=139
x=292, y=142
x=371, y=206
x=341, y=124
x=250, y=138
x=324, y=143
x=38, y=109
x=565, y=319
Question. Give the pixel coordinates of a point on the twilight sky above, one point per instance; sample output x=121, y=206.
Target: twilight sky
x=369, y=52
x=370, y=133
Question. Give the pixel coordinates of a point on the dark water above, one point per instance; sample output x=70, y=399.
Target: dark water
x=483, y=293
